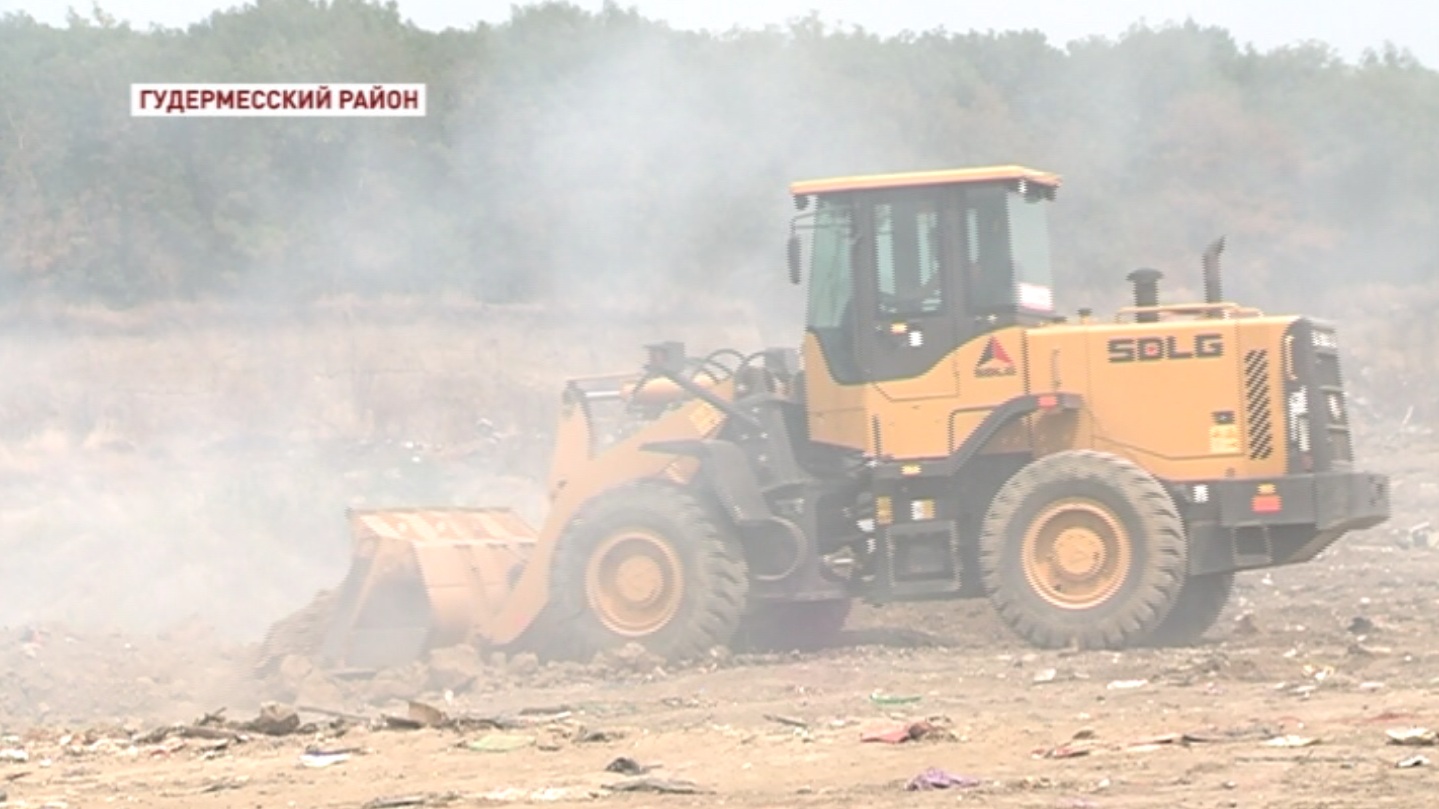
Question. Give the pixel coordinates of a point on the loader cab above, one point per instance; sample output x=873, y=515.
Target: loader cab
x=904, y=268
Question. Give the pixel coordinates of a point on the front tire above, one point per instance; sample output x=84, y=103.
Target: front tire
x=1083, y=548
x=649, y=564
x=1198, y=607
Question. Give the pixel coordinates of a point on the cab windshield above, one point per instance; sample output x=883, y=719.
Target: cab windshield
x=831, y=283
x=830, y=312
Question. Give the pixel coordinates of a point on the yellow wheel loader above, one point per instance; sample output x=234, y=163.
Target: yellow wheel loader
x=941, y=433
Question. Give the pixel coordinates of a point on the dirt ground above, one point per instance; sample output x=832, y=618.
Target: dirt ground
x=1290, y=702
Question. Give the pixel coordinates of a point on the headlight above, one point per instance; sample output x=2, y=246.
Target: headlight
x=1326, y=339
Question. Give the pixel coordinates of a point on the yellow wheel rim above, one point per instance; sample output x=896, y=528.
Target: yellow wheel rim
x=634, y=582
x=1076, y=554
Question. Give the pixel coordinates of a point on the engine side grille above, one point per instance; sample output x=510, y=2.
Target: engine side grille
x=1329, y=385
x=1257, y=404
x=1315, y=408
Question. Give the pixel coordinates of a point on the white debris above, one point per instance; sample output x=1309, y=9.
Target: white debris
x=317, y=760
x=1126, y=685
x=1291, y=741
x=1413, y=737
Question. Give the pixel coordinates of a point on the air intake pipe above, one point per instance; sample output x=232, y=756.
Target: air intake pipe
x=1213, y=283
x=1146, y=292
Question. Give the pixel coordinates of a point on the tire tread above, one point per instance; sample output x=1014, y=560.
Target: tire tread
x=1160, y=580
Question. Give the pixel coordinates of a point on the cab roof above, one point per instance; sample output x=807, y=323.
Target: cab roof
x=916, y=178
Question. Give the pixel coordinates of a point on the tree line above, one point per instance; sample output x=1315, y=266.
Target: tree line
x=569, y=152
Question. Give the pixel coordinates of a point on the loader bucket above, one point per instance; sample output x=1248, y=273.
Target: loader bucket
x=420, y=579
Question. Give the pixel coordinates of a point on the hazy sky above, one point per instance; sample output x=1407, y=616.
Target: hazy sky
x=1349, y=27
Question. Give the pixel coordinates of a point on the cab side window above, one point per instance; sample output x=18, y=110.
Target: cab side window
x=907, y=257
x=987, y=249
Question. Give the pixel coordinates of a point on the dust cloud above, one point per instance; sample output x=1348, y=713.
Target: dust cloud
x=192, y=462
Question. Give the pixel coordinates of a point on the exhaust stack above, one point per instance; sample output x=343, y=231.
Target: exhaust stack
x=1213, y=283
x=1146, y=292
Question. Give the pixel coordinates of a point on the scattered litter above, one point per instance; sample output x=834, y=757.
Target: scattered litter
x=401, y=801
x=14, y=755
x=596, y=736
x=1421, y=535
x=787, y=720
x=1413, y=737
x=908, y=732
x=333, y=714
x=672, y=786
x=222, y=735
x=397, y=802
x=1229, y=735
x=275, y=720
x=879, y=698
x=625, y=765
x=935, y=778
x=1371, y=685
x=1062, y=751
x=1418, y=760
x=1361, y=625
x=224, y=784
x=501, y=722
x=1046, y=675
x=895, y=735
x=321, y=758
x=215, y=749
x=1126, y=685
x=1291, y=741
x=1153, y=743
x=498, y=743
x=420, y=715
x=162, y=749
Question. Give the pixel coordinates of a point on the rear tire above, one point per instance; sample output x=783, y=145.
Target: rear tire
x=1200, y=603
x=649, y=564
x=1083, y=548
x=789, y=626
